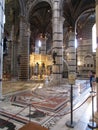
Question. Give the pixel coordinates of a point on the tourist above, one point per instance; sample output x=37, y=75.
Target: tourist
x=93, y=82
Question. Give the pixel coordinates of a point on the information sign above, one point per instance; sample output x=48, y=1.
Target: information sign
x=71, y=78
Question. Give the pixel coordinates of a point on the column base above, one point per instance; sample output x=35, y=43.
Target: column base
x=70, y=124
x=96, y=117
x=92, y=125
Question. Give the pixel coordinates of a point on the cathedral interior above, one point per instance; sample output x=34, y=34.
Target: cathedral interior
x=49, y=49
x=36, y=27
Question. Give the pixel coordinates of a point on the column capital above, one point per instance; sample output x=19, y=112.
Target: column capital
x=23, y=18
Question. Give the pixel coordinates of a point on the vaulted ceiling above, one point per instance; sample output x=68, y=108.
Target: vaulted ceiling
x=76, y=13
x=40, y=17
x=72, y=9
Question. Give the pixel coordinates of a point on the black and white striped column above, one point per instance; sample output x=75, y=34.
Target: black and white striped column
x=97, y=51
x=71, y=56
x=2, y=7
x=24, y=50
x=57, y=22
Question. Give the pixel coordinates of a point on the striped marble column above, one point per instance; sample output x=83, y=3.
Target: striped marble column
x=57, y=23
x=2, y=3
x=71, y=52
x=24, y=50
x=13, y=52
x=97, y=51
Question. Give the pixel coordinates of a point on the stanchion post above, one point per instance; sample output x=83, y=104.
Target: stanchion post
x=71, y=97
x=70, y=123
x=92, y=124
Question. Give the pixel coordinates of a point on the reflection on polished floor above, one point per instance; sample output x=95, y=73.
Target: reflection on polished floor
x=48, y=106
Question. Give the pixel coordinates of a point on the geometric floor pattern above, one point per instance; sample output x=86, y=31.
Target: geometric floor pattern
x=43, y=105
x=46, y=99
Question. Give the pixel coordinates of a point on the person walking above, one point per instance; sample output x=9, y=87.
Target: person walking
x=92, y=79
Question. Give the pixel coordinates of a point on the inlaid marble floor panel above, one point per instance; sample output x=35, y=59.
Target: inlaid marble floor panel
x=48, y=106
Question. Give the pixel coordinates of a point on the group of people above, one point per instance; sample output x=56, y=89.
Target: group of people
x=92, y=77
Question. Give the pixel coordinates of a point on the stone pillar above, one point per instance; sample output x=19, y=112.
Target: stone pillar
x=23, y=57
x=97, y=51
x=2, y=3
x=57, y=23
x=71, y=52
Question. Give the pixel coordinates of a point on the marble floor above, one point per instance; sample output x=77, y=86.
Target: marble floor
x=48, y=106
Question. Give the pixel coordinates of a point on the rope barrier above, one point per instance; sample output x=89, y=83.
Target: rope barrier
x=60, y=110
